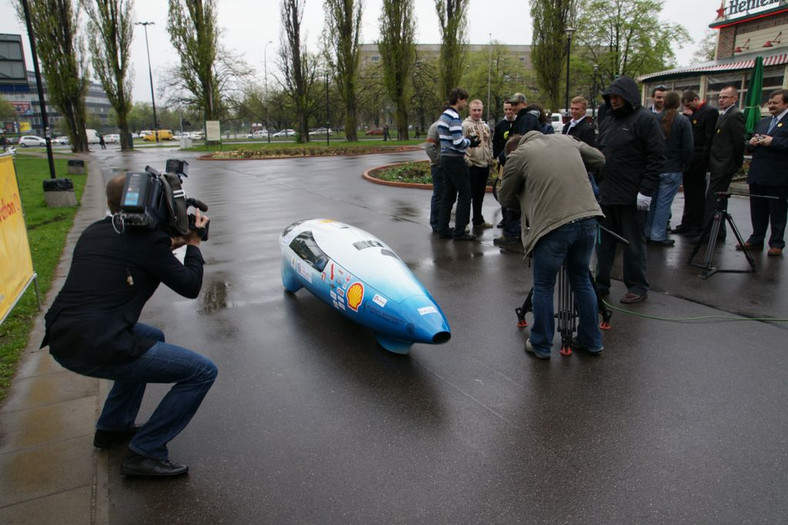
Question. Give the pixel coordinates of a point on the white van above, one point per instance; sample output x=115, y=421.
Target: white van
x=93, y=137
x=557, y=122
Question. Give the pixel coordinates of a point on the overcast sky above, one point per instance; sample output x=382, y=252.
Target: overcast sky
x=248, y=25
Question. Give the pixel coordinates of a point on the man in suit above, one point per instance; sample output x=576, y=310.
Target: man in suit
x=768, y=175
x=704, y=121
x=579, y=126
x=727, y=152
x=92, y=329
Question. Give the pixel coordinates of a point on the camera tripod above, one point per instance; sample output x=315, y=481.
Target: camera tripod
x=711, y=231
x=567, y=312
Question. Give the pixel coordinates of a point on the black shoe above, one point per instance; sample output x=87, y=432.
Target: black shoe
x=465, y=237
x=679, y=229
x=692, y=232
x=106, y=438
x=505, y=240
x=666, y=242
x=136, y=465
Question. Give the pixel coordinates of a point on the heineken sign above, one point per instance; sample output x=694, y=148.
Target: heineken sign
x=745, y=8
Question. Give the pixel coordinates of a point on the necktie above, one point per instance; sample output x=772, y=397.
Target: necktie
x=772, y=124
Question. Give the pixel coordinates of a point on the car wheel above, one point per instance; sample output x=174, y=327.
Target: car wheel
x=23, y=144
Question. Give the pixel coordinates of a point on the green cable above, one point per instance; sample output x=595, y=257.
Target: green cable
x=691, y=319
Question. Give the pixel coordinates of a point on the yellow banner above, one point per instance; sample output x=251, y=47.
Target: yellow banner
x=24, y=127
x=16, y=264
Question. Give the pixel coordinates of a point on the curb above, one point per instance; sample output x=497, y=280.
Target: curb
x=368, y=177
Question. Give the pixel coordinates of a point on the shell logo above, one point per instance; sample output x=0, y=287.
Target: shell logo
x=355, y=294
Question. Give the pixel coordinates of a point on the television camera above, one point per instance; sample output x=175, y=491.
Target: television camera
x=154, y=200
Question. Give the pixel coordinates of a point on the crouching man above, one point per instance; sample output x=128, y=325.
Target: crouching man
x=92, y=329
x=546, y=177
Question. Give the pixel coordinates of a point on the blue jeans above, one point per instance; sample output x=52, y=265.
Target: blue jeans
x=572, y=243
x=438, y=183
x=661, y=201
x=192, y=374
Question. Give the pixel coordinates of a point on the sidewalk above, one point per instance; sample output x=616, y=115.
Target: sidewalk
x=49, y=470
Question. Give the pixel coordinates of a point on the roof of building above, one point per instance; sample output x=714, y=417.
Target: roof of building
x=736, y=63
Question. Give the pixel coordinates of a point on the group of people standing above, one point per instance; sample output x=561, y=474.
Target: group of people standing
x=551, y=202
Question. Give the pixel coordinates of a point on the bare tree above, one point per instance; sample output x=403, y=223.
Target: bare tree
x=60, y=51
x=297, y=76
x=397, y=53
x=551, y=19
x=341, y=35
x=453, y=25
x=192, y=27
x=110, y=30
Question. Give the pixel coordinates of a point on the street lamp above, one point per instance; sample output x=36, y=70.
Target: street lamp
x=489, y=75
x=150, y=74
x=593, y=96
x=569, y=31
x=265, y=68
x=328, y=114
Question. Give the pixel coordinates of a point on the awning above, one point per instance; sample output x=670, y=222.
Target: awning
x=718, y=66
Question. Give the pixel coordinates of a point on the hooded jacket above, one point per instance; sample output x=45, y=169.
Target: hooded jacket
x=633, y=145
x=480, y=156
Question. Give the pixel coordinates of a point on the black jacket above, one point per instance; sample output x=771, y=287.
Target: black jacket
x=634, y=148
x=769, y=166
x=111, y=278
x=527, y=120
x=727, y=147
x=704, y=121
x=500, y=136
x=583, y=130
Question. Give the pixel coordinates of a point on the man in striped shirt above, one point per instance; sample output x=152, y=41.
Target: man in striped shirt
x=457, y=184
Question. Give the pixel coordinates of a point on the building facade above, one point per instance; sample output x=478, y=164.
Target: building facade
x=747, y=29
x=18, y=86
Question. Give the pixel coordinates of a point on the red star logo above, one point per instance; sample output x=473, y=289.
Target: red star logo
x=721, y=10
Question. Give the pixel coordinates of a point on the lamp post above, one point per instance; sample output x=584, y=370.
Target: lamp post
x=569, y=31
x=150, y=74
x=265, y=68
x=328, y=114
x=39, y=87
x=593, y=96
x=489, y=75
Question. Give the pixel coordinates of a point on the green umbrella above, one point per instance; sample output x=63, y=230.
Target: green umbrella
x=752, y=109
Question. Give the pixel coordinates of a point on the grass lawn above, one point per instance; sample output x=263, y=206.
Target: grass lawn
x=257, y=150
x=47, y=229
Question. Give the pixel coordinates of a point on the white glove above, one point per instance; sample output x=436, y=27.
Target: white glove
x=643, y=202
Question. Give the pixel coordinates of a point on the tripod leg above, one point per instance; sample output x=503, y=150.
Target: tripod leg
x=740, y=240
x=528, y=306
x=708, y=268
x=566, y=309
x=603, y=310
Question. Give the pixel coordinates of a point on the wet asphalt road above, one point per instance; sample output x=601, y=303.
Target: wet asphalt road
x=311, y=422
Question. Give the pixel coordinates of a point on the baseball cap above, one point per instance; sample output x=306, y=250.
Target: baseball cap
x=517, y=98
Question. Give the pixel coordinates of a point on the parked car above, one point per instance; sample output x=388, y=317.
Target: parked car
x=62, y=140
x=285, y=133
x=197, y=135
x=31, y=141
x=321, y=131
x=112, y=138
x=375, y=131
x=260, y=134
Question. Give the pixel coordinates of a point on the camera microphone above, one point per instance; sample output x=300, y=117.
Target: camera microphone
x=197, y=203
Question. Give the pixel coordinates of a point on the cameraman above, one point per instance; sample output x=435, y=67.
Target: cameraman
x=92, y=329
x=546, y=177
